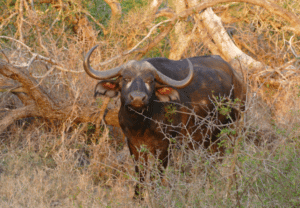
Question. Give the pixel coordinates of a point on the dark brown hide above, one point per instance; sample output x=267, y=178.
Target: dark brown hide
x=144, y=116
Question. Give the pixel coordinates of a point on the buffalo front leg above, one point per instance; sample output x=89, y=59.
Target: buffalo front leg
x=140, y=158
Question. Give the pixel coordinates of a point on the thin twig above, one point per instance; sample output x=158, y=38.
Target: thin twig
x=291, y=46
x=166, y=12
x=44, y=76
x=56, y=19
x=18, y=41
x=38, y=56
x=31, y=61
x=99, y=119
x=21, y=21
x=284, y=66
x=134, y=48
x=5, y=56
x=198, y=8
x=7, y=20
x=96, y=21
x=32, y=5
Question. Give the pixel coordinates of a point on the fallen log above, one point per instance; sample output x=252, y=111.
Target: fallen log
x=38, y=103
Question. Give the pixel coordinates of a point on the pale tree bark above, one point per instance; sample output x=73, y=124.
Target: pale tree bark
x=210, y=27
x=202, y=30
x=268, y=5
x=180, y=40
x=20, y=25
x=152, y=9
x=183, y=40
x=155, y=4
x=229, y=51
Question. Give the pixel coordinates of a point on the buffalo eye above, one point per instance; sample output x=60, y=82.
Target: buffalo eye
x=126, y=79
x=149, y=81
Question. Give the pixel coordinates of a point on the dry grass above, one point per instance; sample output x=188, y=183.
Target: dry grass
x=58, y=164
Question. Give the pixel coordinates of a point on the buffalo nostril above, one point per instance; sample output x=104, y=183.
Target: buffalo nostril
x=137, y=99
x=137, y=96
x=131, y=96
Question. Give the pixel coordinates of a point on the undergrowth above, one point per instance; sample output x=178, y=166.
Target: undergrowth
x=60, y=164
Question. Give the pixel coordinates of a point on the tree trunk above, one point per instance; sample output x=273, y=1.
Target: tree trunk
x=229, y=51
x=180, y=40
x=222, y=44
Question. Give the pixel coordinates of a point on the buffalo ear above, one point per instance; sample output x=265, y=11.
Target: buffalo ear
x=108, y=88
x=167, y=93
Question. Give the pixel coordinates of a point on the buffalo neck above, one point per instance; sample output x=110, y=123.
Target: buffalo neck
x=132, y=118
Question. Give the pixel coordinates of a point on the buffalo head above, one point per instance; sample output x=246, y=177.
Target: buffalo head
x=138, y=81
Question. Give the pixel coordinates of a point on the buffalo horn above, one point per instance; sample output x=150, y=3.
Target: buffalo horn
x=168, y=81
x=99, y=74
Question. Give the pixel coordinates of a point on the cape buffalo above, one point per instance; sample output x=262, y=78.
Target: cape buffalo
x=149, y=86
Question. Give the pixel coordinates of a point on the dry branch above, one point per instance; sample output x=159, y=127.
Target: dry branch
x=226, y=48
x=6, y=21
x=271, y=7
x=24, y=112
x=166, y=12
x=115, y=6
x=20, y=25
x=146, y=48
x=180, y=40
x=184, y=39
x=43, y=58
x=38, y=103
x=215, y=29
x=142, y=51
x=155, y=4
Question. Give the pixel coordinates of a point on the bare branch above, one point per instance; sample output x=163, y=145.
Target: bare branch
x=32, y=5
x=7, y=20
x=146, y=37
x=45, y=75
x=155, y=4
x=166, y=12
x=225, y=44
x=20, y=25
x=18, y=41
x=154, y=42
x=31, y=61
x=287, y=64
x=291, y=46
x=134, y=48
x=39, y=103
x=38, y=56
x=115, y=7
x=56, y=19
x=37, y=94
x=5, y=56
x=27, y=111
x=266, y=4
x=96, y=21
